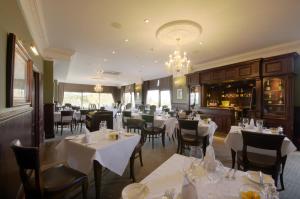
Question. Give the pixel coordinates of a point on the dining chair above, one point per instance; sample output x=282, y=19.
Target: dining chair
x=137, y=125
x=54, y=182
x=261, y=162
x=128, y=106
x=82, y=119
x=66, y=118
x=142, y=108
x=125, y=116
x=189, y=136
x=151, y=131
x=152, y=109
x=68, y=105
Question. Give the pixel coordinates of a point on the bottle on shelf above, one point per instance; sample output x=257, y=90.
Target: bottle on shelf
x=268, y=87
x=280, y=85
x=280, y=99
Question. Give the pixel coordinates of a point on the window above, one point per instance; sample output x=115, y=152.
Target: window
x=73, y=98
x=159, y=98
x=153, y=97
x=84, y=99
x=165, y=98
x=132, y=100
x=127, y=98
x=194, y=99
x=90, y=98
x=106, y=99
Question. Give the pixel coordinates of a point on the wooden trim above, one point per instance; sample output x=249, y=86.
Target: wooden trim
x=10, y=57
x=14, y=112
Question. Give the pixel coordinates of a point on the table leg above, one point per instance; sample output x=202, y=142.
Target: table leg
x=233, y=155
x=97, y=178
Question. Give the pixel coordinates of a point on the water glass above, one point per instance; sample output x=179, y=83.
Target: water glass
x=245, y=121
x=196, y=151
x=260, y=124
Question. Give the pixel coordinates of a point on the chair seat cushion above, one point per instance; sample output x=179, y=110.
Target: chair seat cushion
x=60, y=178
x=153, y=130
x=260, y=160
x=190, y=138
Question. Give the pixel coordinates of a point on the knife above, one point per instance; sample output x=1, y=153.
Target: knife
x=261, y=178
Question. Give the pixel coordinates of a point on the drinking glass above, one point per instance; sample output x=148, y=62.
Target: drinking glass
x=260, y=124
x=245, y=121
x=196, y=151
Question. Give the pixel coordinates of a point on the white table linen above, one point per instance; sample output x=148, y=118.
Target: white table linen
x=111, y=154
x=76, y=115
x=234, y=140
x=169, y=175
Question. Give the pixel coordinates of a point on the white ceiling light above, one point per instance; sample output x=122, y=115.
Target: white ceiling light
x=146, y=20
x=34, y=50
x=98, y=87
x=178, y=32
x=113, y=52
x=126, y=40
x=201, y=42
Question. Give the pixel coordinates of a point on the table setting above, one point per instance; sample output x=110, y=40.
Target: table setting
x=182, y=177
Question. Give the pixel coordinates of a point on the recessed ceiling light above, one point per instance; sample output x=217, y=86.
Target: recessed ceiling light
x=105, y=60
x=113, y=52
x=126, y=40
x=155, y=61
x=201, y=42
x=146, y=20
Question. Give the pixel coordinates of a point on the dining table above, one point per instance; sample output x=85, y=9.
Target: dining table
x=76, y=116
x=170, y=177
x=234, y=141
x=99, y=152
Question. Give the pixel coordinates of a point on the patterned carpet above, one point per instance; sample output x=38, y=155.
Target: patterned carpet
x=113, y=184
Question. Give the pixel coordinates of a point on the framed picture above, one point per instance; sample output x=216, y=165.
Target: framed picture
x=18, y=73
x=179, y=93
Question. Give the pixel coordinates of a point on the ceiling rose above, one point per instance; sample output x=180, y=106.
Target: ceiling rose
x=185, y=30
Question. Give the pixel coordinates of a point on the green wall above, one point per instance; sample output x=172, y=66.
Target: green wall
x=11, y=20
x=48, y=82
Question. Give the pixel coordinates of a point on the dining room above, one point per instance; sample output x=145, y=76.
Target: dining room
x=149, y=99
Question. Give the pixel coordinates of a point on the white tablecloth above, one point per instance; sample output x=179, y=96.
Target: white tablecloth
x=76, y=116
x=169, y=175
x=112, y=154
x=234, y=140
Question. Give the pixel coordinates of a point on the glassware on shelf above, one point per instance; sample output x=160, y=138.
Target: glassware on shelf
x=280, y=85
x=245, y=121
x=280, y=99
x=268, y=87
x=260, y=125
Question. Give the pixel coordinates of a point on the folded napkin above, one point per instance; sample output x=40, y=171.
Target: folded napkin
x=209, y=161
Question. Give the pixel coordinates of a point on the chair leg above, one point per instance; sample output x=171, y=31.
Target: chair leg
x=141, y=157
x=61, y=130
x=163, y=139
x=81, y=126
x=85, y=189
x=97, y=177
x=152, y=141
x=281, y=181
x=132, y=168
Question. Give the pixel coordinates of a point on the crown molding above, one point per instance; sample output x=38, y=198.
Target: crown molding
x=261, y=53
x=34, y=17
x=56, y=53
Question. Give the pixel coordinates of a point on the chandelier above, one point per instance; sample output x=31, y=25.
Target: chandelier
x=178, y=64
x=98, y=88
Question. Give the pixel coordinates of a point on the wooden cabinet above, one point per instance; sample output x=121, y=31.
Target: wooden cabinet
x=279, y=65
x=193, y=79
x=234, y=72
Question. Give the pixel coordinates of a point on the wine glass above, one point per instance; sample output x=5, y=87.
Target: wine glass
x=260, y=124
x=245, y=122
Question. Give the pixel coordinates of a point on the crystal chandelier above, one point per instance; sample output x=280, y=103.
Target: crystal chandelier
x=98, y=88
x=178, y=64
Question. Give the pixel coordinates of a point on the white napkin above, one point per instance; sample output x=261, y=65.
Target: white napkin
x=209, y=162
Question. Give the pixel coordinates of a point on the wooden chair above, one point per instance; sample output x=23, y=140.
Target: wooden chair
x=192, y=138
x=260, y=162
x=125, y=116
x=66, y=118
x=151, y=131
x=137, y=125
x=55, y=182
x=128, y=106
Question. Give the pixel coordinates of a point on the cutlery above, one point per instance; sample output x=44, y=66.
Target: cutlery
x=261, y=179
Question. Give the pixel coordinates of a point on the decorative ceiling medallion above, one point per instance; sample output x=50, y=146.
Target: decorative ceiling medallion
x=187, y=31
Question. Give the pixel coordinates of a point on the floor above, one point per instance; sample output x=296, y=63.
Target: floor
x=113, y=184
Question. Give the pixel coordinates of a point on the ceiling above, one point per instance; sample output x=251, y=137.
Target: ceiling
x=93, y=29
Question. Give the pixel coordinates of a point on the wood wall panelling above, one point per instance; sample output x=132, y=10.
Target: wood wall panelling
x=15, y=124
